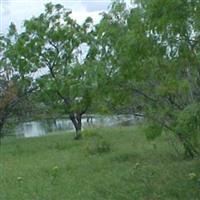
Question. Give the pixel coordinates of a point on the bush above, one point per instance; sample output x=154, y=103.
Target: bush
x=89, y=133
x=188, y=128
x=97, y=146
x=152, y=131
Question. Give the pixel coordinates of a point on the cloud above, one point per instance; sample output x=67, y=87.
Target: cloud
x=4, y=5
x=80, y=17
x=99, y=5
x=18, y=10
x=95, y=5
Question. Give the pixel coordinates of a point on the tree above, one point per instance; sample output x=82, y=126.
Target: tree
x=158, y=64
x=109, y=36
x=173, y=66
x=15, y=84
x=56, y=44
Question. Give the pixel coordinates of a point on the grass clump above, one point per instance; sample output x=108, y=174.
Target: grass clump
x=98, y=146
x=88, y=133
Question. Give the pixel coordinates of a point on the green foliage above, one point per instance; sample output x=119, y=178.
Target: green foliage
x=89, y=133
x=12, y=30
x=57, y=44
x=152, y=130
x=188, y=125
x=154, y=66
x=189, y=120
x=16, y=83
x=143, y=59
x=97, y=146
x=54, y=173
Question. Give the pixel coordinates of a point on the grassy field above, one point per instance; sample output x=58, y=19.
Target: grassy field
x=116, y=164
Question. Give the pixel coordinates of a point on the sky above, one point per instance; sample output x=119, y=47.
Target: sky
x=18, y=10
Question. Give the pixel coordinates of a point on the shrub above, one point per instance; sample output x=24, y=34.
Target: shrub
x=89, y=133
x=188, y=129
x=152, y=131
x=97, y=146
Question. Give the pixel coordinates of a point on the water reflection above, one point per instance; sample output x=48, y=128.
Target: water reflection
x=39, y=128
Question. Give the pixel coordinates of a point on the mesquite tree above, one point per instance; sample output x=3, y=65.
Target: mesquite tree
x=157, y=60
x=58, y=45
x=15, y=81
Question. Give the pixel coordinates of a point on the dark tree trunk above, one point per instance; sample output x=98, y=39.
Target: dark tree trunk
x=190, y=150
x=1, y=133
x=76, y=120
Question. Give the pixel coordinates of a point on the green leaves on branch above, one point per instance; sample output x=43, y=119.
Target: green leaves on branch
x=188, y=126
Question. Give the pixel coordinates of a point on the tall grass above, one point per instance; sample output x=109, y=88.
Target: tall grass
x=58, y=168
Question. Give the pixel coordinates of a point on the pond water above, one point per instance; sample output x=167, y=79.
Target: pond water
x=44, y=127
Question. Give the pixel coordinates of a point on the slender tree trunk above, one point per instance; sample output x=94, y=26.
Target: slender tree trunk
x=190, y=150
x=1, y=134
x=76, y=120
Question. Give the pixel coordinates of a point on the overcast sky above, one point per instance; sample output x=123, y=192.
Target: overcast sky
x=18, y=10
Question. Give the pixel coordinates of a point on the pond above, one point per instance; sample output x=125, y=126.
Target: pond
x=44, y=127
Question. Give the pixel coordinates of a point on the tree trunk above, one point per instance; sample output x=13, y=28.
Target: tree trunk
x=190, y=150
x=76, y=120
x=2, y=122
x=1, y=133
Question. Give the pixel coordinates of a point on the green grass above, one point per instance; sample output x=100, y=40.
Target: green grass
x=58, y=168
